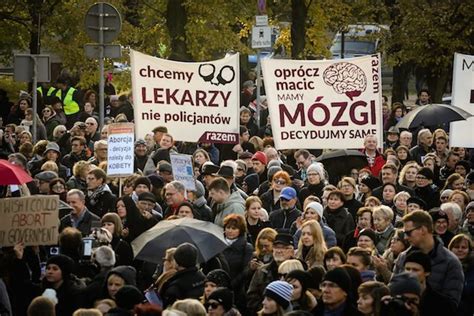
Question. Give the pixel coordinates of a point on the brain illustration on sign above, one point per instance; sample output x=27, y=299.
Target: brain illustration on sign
x=346, y=78
x=209, y=74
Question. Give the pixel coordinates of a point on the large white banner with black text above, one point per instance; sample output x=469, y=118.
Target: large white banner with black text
x=195, y=101
x=324, y=104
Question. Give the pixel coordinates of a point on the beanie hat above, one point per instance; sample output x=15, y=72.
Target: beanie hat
x=421, y=258
x=241, y=164
x=341, y=278
x=51, y=295
x=272, y=170
x=280, y=292
x=302, y=276
x=147, y=196
x=369, y=233
x=425, y=171
x=245, y=155
x=470, y=207
x=64, y=263
x=274, y=163
x=128, y=296
x=403, y=283
x=140, y=141
x=156, y=180
x=224, y=296
x=142, y=180
x=370, y=181
x=318, y=168
x=260, y=156
x=186, y=255
x=317, y=207
x=200, y=191
x=438, y=214
x=317, y=274
x=105, y=256
x=165, y=166
x=219, y=277
x=252, y=182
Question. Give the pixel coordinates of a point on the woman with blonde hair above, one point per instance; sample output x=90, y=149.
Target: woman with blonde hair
x=78, y=179
x=190, y=306
x=289, y=265
x=311, y=246
x=408, y=174
x=263, y=253
x=50, y=166
x=454, y=182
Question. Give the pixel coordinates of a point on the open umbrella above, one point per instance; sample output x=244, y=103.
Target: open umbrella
x=432, y=115
x=338, y=163
x=12, y=174
x=152, y=244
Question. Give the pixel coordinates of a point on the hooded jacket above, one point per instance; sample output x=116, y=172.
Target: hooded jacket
x=340, y=221
x=127, y=273
x=235, y=204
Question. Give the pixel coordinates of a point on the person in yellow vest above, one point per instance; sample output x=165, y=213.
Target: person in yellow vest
x=71, y=100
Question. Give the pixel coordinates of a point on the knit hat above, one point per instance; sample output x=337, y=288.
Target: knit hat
x=51, y=295
x=425, y=171
x=288, y=193
x=316, y=167
x=317, y=274
x=52, y=146
x=200, y=191
x=302, y=276
x=280, y=292
x=156, y=180
x=140, y=142
x=252, y=182
x=186, y=255
x=317, y=207
x=260, y=156
x=165, y=166
x=438, y=214
x=369, y=233
x=404, y=282
x=370, y=181
x=224, y=296
x=272, y=170
x=208, y=169
x=64, y=263
x=421, y=258
x=142, y=180
x=341, y=278
x=241, y=164
x=418, y=201
x=219, y=277
x=147, y=196
x=274, y=163
x=128, y=296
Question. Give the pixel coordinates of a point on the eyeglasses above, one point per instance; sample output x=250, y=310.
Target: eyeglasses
x=419, y=177
x=212, y=305
x=61, y=132
x=408, y=232
x=280, y=182
x=240, y=169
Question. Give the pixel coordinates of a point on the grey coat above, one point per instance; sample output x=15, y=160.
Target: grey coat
x=446, y=276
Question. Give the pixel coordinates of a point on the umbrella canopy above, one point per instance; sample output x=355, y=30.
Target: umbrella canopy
x=432, y=115
x=338, y=163
x=152, y=244
x=12, y=174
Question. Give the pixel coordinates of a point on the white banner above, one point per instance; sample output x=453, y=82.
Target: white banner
x=461, y=132
x=120, y=149
x=324, y=104
x=195, y=101
x=183, y=170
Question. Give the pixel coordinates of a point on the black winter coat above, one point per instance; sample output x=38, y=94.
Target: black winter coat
x=340, y=221
x=188, y=283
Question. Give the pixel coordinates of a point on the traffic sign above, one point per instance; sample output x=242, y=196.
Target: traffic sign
x=110, y=50
x=103, y=23
x=24, y=69
x=261, y=37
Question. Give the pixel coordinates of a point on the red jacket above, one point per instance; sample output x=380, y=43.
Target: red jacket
x=377, y=165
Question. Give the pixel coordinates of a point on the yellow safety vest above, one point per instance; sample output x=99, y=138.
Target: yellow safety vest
x=49, y=93
x=70, y=106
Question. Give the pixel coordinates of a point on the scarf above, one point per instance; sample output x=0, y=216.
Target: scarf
x=95, y=195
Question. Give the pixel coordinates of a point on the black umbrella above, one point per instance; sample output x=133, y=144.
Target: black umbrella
x=338, y=163
x=432, y=115
x=152, y=244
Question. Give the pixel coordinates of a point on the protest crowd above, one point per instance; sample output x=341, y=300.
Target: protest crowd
x=394, y=237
